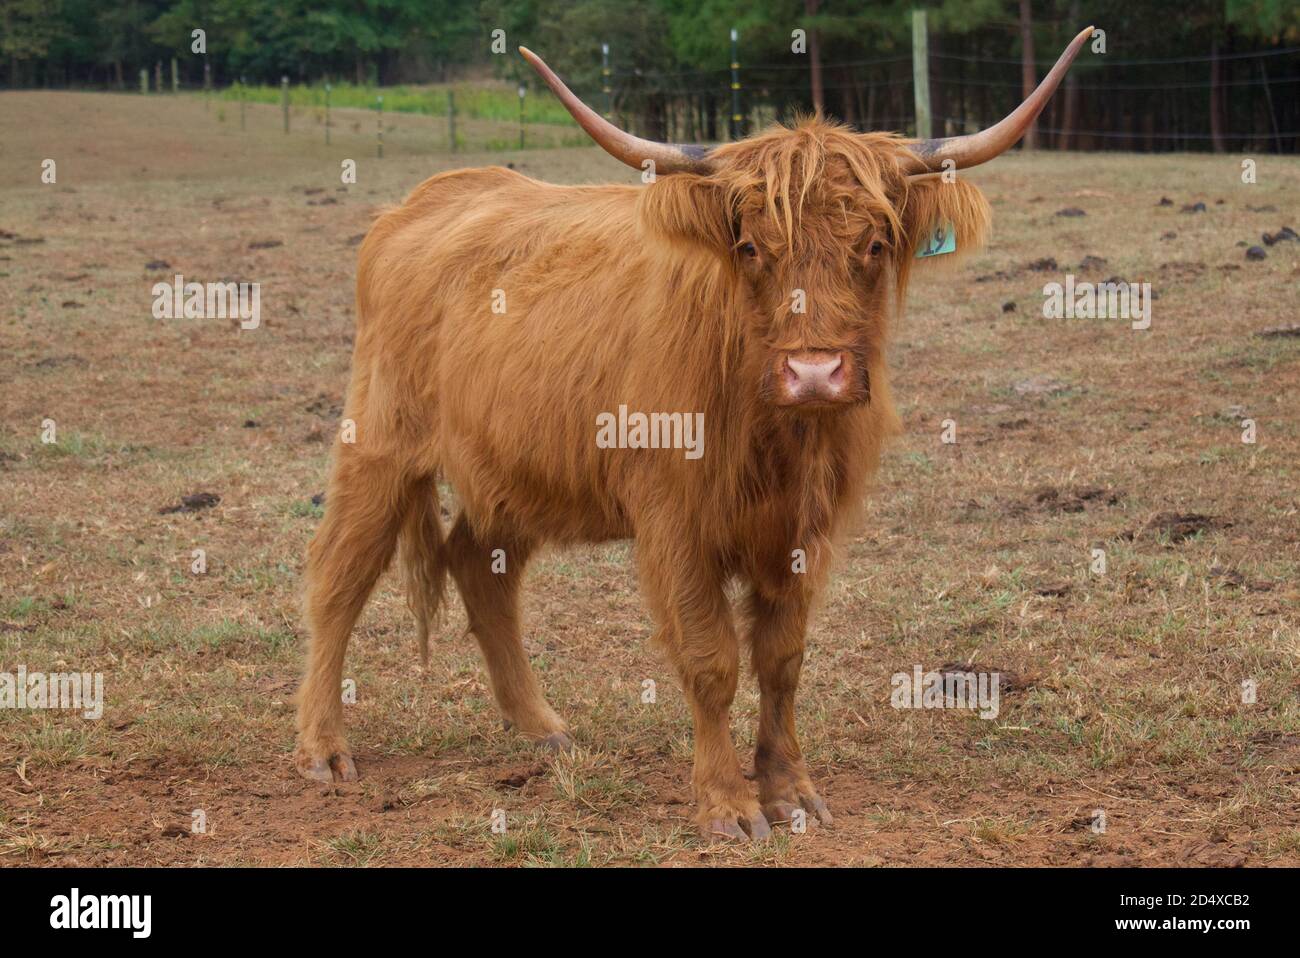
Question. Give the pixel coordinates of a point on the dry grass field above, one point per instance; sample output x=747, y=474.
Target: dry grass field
x=1122, y=691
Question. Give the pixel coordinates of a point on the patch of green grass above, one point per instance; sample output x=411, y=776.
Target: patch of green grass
x=356, y=849
x=306, y=509
x=535, y=843
x=475, y=101
x=23, y=607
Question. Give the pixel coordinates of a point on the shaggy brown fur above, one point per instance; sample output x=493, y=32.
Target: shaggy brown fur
x=671, y=297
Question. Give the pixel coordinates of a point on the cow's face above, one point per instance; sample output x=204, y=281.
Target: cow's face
x=818, y=227
x=816, y=286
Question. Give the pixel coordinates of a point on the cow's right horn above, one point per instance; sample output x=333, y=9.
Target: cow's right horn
x=973, y=149
x=622, y=146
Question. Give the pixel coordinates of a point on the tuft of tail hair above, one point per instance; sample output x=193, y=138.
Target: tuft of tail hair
x=422, y=558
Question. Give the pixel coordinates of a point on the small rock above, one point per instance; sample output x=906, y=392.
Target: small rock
x=1289, y=331
x=1008, y=307
x=1040, y=386
x=1256, y=252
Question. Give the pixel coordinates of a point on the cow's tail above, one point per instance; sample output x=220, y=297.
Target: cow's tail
x=422, y=557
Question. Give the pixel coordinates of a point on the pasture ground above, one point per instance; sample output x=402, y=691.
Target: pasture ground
x=1126, y=690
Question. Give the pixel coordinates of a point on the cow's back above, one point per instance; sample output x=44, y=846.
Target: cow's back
x=510, y=309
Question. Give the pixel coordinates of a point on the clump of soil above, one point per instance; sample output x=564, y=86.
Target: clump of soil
x=192, y=503
x=1178, y=526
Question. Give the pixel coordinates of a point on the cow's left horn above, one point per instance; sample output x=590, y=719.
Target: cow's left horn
x=976, y=148
x=629, y=149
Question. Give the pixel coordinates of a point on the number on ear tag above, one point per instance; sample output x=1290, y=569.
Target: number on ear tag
x=942, y=239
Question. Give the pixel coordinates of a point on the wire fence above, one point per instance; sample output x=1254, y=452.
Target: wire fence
x=1127, y=112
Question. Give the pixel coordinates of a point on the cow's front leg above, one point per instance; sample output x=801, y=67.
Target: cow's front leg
x=696, y=628
x=777, y=628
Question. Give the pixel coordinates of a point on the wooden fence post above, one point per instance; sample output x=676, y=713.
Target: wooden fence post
x=921, y=74
x=451, y=117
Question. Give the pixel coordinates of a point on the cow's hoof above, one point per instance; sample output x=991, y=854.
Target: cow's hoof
x=781, y=812
x=339, y=767
x=557, y=742
x=738, y=827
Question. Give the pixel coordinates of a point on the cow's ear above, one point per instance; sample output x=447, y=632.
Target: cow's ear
x=686, y=208
x=936, y=215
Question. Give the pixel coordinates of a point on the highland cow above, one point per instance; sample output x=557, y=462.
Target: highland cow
x=500, y=320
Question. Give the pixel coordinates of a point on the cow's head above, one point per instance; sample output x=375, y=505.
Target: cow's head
x=819, y=226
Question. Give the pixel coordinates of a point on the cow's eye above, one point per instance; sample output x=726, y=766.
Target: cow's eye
x=749, y=250
x=876, y=248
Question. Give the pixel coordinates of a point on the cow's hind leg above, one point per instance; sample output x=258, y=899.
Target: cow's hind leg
x=488, y=572
x=777, y=629
x=364, y=502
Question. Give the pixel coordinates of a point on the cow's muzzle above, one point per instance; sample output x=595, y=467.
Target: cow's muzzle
x=813, y=377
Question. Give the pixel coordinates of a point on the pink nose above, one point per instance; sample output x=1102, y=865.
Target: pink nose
x=814, y=375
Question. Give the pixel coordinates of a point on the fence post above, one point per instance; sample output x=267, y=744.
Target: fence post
x=921, y=74
x=523, y=90
x=604, y=73
x=735, y=88
x=380, y=130
x=327, y=114
x=157, y=76
x=176, y=77
x=451, y=117
x=241, y=104
x=144, y=80
x=284, y=100
x=207, y=83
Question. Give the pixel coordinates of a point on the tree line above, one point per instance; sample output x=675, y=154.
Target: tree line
x=1201, y=74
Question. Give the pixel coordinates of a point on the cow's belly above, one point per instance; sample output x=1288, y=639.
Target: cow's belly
x=521, y=462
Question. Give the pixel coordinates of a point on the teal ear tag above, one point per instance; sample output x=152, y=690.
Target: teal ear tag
x=942, y=239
